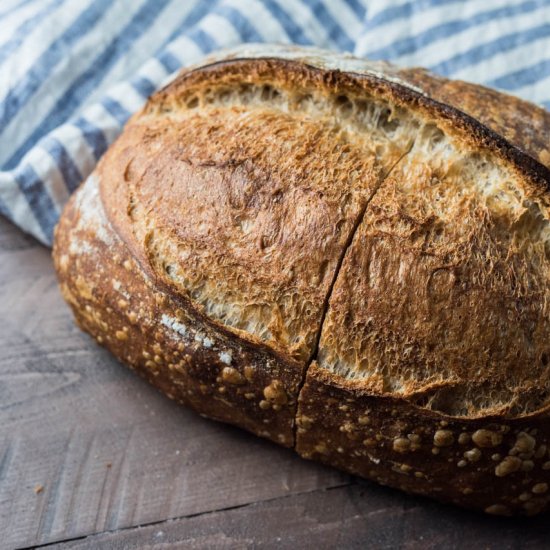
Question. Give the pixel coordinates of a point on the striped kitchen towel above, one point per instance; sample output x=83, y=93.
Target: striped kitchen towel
x=72, y=71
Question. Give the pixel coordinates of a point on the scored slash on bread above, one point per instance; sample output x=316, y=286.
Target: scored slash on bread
x=329, y=253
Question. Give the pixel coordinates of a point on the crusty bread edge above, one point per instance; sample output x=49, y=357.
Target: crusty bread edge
x=498, y=465
x=189, y=358
x=391, y=84
x=505, y=497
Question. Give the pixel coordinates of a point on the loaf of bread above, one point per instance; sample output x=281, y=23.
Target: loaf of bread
x=336, y=255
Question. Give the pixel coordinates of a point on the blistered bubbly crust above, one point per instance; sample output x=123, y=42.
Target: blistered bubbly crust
x=337, y=260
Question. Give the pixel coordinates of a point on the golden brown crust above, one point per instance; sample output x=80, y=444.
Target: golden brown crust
x=192, y=360
x=504, y=134
x=523, y=124
x=442, y=296
x=274, y=221
x=499, y=466
x=245, y=242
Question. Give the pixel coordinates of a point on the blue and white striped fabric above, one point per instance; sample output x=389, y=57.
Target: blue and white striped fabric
x=72, y=71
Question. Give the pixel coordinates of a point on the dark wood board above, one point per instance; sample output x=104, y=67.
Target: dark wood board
x=361, y=515
x=89, y=452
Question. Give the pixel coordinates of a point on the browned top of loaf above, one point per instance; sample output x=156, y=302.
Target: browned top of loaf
x=259, y=191
x=239, y=190
x=523, y=124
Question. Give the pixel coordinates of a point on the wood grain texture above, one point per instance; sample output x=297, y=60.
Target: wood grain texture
x=88, y=452
x=363, y=515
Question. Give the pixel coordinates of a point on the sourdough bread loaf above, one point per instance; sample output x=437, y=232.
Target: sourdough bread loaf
x=345, y=258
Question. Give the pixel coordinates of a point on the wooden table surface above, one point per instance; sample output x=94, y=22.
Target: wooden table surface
x=92, y=457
